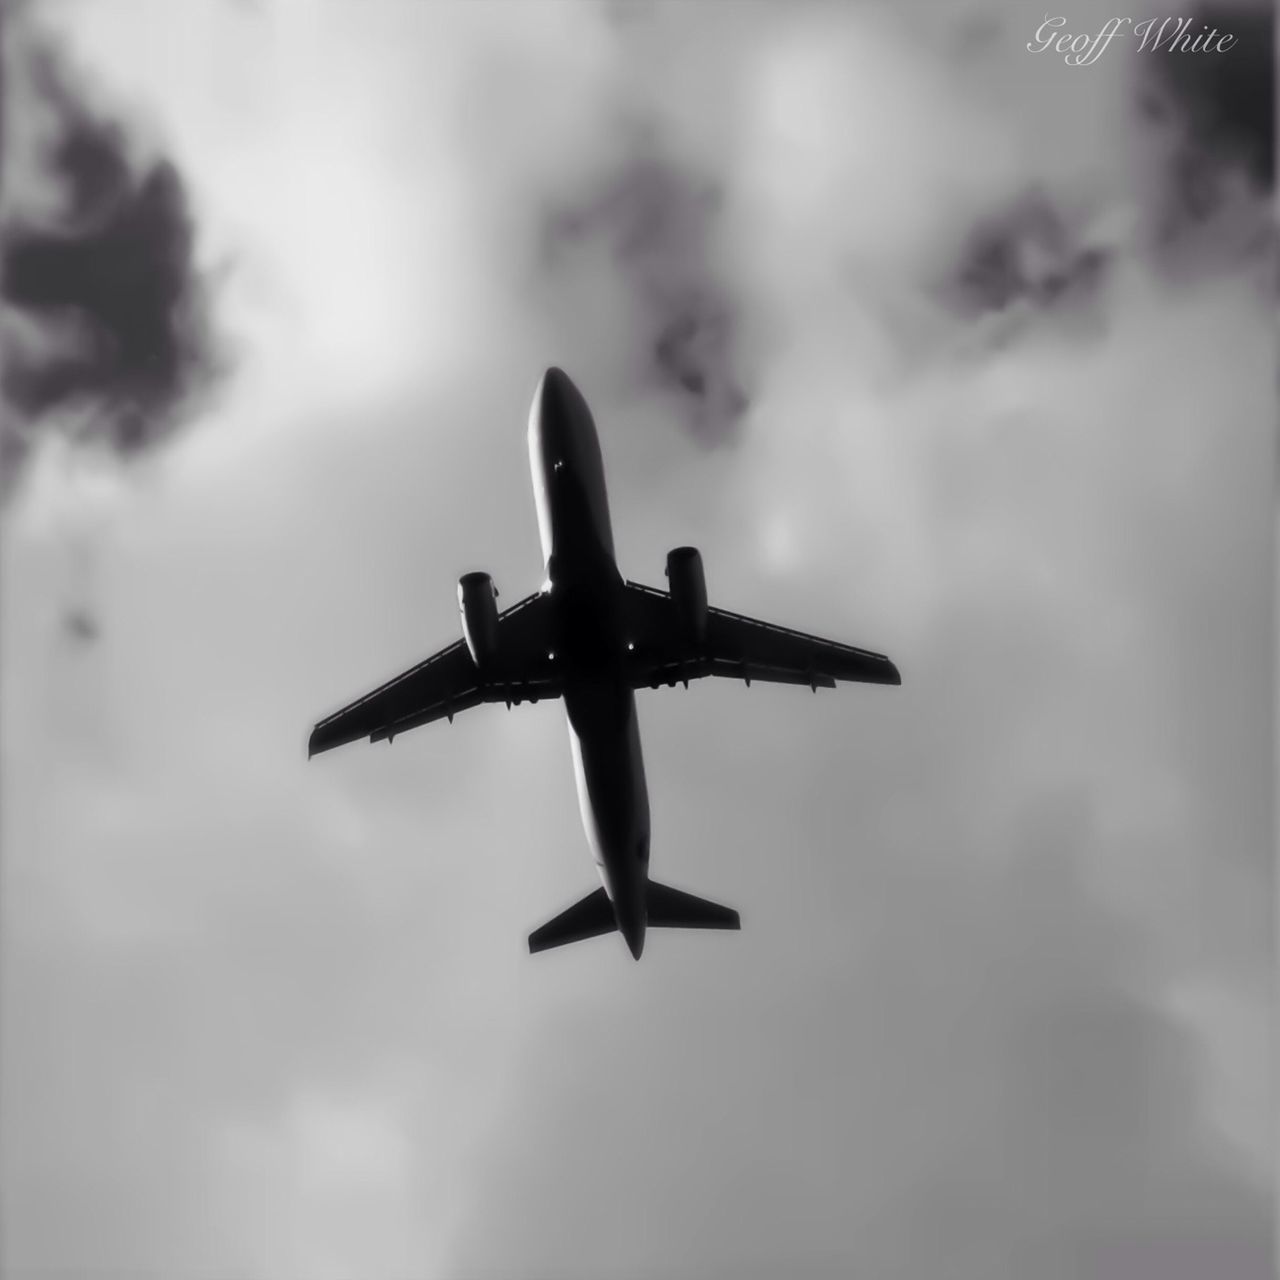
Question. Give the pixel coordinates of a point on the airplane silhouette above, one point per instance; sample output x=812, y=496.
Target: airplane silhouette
x=593, y=638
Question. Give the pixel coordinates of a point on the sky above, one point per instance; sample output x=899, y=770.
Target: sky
x=931, y=343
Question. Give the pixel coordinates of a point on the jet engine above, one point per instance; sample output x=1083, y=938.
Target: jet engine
x=688, y=590
x=477, y=602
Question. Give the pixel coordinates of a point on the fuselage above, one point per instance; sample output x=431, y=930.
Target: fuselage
x=585, y=588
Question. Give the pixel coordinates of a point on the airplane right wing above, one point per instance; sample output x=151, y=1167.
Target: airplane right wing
x=449, y=682
x=740, y=648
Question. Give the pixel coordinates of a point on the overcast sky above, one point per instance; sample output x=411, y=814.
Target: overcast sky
x=932, y=344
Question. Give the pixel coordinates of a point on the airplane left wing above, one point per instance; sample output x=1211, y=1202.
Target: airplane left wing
x=739, y=647
x=449, y=682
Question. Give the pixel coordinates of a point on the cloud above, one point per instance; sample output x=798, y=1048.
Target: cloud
x=990, y=1090
x=656, y=223
x=106, y=312
x=1027, y=253
x=1211, y=122
x=1225, y=103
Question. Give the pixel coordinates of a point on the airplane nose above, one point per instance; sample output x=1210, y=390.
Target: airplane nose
x=555, y=419
x=556, y=393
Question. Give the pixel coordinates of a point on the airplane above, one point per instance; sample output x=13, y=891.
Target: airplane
x=593, y=638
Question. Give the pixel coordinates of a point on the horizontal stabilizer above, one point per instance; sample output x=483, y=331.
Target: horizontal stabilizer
x=587, y=918
x=674, y=909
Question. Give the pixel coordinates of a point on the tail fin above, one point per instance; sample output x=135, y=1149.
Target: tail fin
x=674, y=909
x=587, y=918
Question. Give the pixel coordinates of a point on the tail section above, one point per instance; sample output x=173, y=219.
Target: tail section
x=587, y=918
x=674, y=909
x=667, y=908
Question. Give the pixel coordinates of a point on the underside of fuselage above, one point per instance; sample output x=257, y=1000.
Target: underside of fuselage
x=585, y=588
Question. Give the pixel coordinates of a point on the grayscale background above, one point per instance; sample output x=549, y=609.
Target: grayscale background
x=932, y=344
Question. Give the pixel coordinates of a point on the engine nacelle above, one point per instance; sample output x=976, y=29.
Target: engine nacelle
x=688, y=590
x=477, y=602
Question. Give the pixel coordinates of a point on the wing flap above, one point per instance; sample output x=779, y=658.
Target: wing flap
x=775, y=649
x=448, y=682
x=740, y=648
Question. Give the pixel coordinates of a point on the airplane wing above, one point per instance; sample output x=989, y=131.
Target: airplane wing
x=449, y=682
x=738, y=647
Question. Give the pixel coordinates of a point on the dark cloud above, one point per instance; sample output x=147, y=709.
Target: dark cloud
x=107, y=313
x=81, y=625
x=1210, y=117
x=657, y=222
x=1220, y=109
x=1026, y=253
x=1226, y=101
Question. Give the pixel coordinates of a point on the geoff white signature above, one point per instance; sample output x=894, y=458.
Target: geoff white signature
x=1173, y=35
